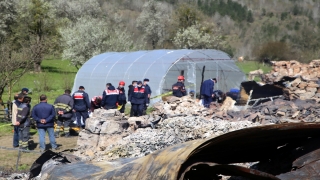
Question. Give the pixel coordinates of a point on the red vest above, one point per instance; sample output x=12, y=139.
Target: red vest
x=112, y=92
x=136, y=90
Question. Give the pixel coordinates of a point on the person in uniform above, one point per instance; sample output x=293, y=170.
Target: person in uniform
x=138, y=98
x=81, y=105
x=122, y=100
x=110, y=97
x=178, y=88
x=63, y=105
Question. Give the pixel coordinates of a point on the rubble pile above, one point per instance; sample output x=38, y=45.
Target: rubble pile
x=306, y=78
x=277, y=111
x=107, y=137
x=280, y=69
x=185, y=106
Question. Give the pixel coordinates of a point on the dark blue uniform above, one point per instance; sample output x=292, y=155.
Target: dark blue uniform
x=110, y=98
x=178, y=89
x=207, y=91
x=81, y=105
x=138, y=98
x=24, y=127
x=122, y=100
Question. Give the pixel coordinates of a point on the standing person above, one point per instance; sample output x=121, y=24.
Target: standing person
x=122, y=100
x=110, y=97
x=24, y=91
x=130, y=89
x=148, y=89
x=138, y=98
x=18, y=98
x=207, y=91
x=44, y=114
x=81, y=105
x=23, y=122
x=95, y=103
x=178, y=89
x=63, y=105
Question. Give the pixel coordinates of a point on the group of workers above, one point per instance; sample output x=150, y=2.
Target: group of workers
x=78, y=104
x=43, y=114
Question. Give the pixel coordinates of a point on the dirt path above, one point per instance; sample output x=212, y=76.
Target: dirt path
x=8, y=158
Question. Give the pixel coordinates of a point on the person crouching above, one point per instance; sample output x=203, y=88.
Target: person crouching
x=138, y=98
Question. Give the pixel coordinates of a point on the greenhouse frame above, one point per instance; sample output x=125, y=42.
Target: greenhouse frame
x=162, y=67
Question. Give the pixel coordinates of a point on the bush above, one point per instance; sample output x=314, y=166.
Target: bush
x=274, y=51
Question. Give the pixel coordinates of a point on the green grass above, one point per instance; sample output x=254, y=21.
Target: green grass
x=56, y=76
x=248, y=66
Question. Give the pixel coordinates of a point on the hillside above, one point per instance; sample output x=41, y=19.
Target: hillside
x=248, y=25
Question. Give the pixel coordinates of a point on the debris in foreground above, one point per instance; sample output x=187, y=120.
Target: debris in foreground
x=282, y=151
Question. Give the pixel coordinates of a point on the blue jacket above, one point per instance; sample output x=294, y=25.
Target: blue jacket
x=81, y=101
x=110, y=97
x=207, y=87
x=139, y=95
x=148, y=89
x=178, y=89
x=122, y=96
x=45, y=111
x=23, y=115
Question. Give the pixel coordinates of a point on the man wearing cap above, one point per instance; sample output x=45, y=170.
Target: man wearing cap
x=63, y=105
x=207, y=91
x=138, y=98
x=23, y=122
x=122, y=100
x=178, y=88
x=110, y=97
x=24, y=91
x=81, y=105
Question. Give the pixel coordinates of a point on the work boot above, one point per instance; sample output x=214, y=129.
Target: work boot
x=56, y=134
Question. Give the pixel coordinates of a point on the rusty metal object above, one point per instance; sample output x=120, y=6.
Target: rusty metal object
x=264, y=144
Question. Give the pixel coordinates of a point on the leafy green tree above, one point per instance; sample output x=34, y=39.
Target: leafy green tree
x=250, y=17
x=37, y=29
x=8, y=16
x=197, y=37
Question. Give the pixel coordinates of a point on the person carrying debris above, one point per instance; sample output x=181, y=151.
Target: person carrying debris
x=138, y=98
x=63, y=105
x=23, y=122
x=207, y=91
x=130, y=89
x=122, y=100
x=178, y=89
x=95, y=103
x=44, y=114
x=81, y=105
x=110, y=97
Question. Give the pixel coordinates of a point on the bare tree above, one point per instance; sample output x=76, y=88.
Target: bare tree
x=14, y=64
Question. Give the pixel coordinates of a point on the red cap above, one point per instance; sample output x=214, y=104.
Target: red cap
x=180, y=77
x=122, y=83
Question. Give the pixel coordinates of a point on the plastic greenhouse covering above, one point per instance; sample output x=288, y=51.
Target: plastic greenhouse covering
x=162, y=67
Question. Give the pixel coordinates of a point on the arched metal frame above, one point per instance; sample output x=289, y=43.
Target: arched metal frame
x=162, y=68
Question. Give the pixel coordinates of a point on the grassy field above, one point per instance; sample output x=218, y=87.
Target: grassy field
x=57, y=76
x=248, y=66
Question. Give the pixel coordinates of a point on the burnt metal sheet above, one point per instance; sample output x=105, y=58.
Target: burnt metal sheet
x=247, y=145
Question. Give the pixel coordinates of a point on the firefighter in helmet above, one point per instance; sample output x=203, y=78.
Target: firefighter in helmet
x=122, y=99
x=178, y=88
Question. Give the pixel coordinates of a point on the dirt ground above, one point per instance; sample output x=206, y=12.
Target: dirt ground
x=8, y=158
